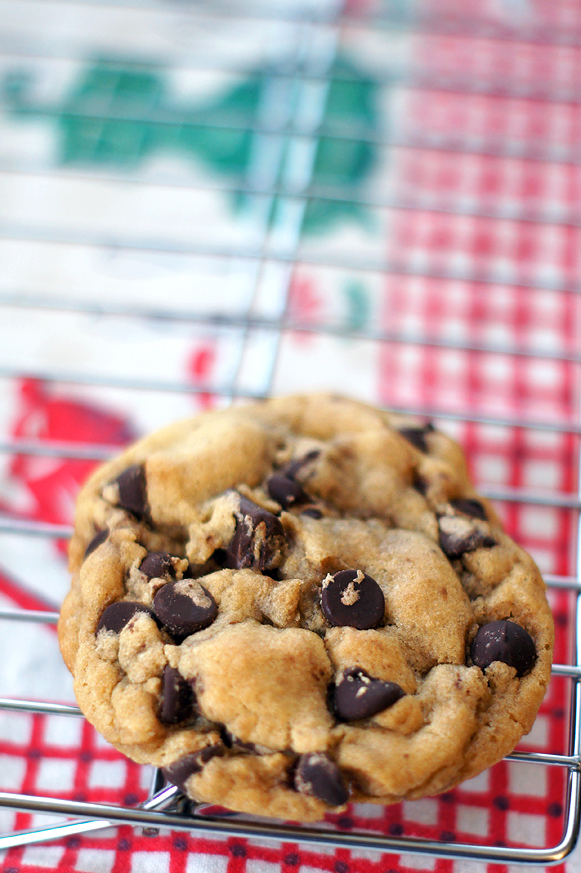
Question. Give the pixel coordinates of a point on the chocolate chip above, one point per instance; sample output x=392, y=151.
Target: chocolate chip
x=219, y=558
x=421, y=485
x=457, y=536
x=285, y=491
x=470, y=506
x=504, y=641
x=359, y=695
x=318, y=775
x=97, y=541
x=354, y=599
x=312, y=512
x=233, y=742
x=184, y=607
x=158, y=565
x=177, y=697
x=258, y=539
x=133, y=490
x=417, y=436
x=117, y=615
x=291, y=470
x=180, y=771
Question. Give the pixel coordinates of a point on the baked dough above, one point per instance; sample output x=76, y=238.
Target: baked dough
x=300, y=603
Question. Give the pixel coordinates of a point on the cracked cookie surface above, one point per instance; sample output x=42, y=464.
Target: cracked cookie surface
x=295, y=604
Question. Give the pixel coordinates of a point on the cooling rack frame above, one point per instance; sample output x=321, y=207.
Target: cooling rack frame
x=163, y=809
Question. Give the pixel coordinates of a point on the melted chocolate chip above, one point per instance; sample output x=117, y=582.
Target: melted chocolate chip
x=470, y=506
x=257, y=541
x=291, y=470
x=458, y=536
x=421, y=485
x=417, y=436
x=285, y=491
x=233, y=742
x=177, y=697
x=318, y=775
x=158, y=565
x=97, y=541
x=312, y=512
x=359, y=695
x=504, y=641
x=133, y=490
x=184, y=607
x=180, y=771
x=117, y=615
x=347, y=600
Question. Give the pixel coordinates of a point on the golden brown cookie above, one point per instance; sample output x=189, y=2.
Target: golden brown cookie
x=299, y=603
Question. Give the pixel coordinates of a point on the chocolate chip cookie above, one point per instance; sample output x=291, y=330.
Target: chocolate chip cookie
x=296, y=604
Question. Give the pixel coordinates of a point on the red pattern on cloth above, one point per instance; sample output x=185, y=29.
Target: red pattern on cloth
x=52, y=484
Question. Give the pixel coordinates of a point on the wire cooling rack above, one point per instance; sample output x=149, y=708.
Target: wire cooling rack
x=162, y=809
x=279, y=182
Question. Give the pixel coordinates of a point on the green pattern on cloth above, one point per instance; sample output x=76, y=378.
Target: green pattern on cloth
x=119, y=114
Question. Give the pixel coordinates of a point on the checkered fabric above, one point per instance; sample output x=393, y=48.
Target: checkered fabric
x=443, y=278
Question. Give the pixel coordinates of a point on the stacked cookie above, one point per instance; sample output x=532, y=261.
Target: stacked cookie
x=300, y=603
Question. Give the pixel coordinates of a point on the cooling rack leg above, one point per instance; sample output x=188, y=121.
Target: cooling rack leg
x=161, y=800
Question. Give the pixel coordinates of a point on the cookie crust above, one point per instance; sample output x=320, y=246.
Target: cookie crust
x=334, y=566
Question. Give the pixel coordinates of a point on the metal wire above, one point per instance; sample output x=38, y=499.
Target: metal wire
x=99, y=816
x=307, y=76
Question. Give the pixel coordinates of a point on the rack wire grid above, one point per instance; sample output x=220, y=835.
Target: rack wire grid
x=305, y=97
